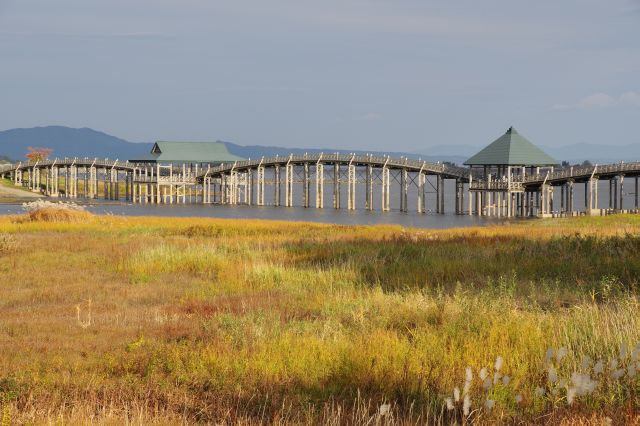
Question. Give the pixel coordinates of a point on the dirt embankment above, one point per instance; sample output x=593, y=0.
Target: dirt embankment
x=7, y=192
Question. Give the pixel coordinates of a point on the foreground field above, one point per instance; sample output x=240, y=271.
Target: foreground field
x=167, y=321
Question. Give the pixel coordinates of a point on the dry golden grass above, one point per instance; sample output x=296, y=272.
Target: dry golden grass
x=50, y=214
x=171, y=321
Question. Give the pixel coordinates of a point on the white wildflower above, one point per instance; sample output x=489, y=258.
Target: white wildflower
x=561, y=353
x=598, y=367
x=456, y=394
x=384, y=410
x=466, y=388
x=613, y=363
x=468, y=374
x=518, y=398
x=582, y=383
x=483, y=374
x=539, y=391
x=450, y=405
x=496, y=378
x=571, y=394
x=631, y=371
x=499, y=362
x=624, y=350
x=488, y=384
x=506, y=380
x=617, y=374
x=489, y=403
x=466, y=405
x=549, y=354
x=553, y=375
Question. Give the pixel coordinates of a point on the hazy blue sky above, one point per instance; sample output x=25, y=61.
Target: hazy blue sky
x=378, y=74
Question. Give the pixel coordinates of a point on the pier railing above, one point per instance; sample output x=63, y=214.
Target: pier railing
x=581, y=172
x=360, y=160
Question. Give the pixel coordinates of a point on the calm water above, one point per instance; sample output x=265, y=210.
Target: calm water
x=327, y=215
x=331, y=215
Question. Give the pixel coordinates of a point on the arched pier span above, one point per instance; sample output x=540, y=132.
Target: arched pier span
x=338, y=181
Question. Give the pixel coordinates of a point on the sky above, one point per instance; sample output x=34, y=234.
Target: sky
x=350, y=74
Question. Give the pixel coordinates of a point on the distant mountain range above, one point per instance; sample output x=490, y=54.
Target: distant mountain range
x=68, y=142
x=85, y=142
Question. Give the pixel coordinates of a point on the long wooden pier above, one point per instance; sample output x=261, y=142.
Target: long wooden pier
x=338, y=181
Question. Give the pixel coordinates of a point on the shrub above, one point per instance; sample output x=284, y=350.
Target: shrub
x=46, y=211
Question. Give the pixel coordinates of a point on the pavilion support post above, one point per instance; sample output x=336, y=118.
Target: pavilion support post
x=66, y=182
x=369, y=188
x=222, y=192
x=610, y=193
x=235, y=188
x=127, y=182
x=421, y=192
x=93, y=182
x=47, y=186
x=621, y=181
x=276, y=190
x=459, y=200
x=289, y=185
x=306, y=186
x=116, y=184
x=319, y=185
x=260, y=187
x=442, y=188
x=336, y=185
x=385, y=189
x=404, y=187
x=351, y=189
x=571, y=198
x=470, y=194
x=248, y=185
x=134, y=186
x=586, y=196
x=636, y=194
x=616, y=185
x=55, y=181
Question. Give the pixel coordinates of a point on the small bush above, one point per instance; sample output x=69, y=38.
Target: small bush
x=46, y=211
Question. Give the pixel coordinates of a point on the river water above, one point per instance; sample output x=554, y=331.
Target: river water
x=360, y=216
x=326, y=215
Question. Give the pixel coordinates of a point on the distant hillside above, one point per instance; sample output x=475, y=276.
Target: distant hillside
x=68, y=142
x=85, y=142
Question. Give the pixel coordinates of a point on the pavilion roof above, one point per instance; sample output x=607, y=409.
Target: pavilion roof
x=511, y=149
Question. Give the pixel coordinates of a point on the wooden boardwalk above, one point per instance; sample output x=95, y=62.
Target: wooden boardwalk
x=306, y=180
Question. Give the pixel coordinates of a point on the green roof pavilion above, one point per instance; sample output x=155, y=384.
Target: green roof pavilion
x=165, y=152
x=511, y=149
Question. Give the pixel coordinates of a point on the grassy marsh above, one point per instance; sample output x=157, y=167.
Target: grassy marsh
x=156, y=320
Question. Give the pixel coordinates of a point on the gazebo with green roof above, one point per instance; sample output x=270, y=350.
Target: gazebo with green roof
x=504, y=164
x=188, y=153
x=511, y=150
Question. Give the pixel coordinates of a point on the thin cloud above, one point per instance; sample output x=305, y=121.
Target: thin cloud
x=129, y=36
x=370, y=116
x=602, y=100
